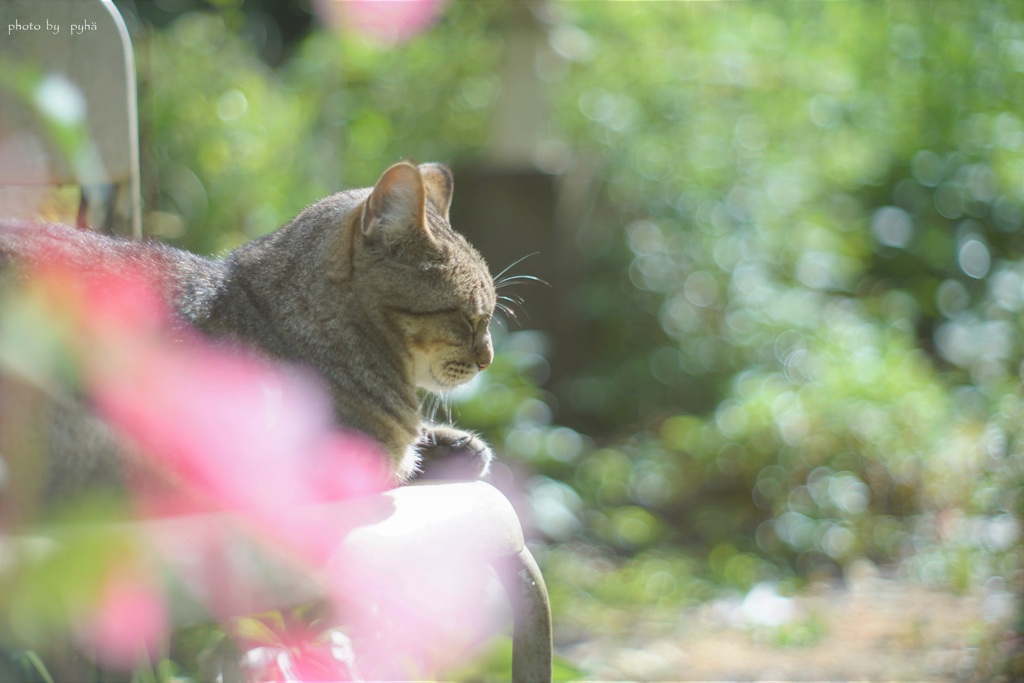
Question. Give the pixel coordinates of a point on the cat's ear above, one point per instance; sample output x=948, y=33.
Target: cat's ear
x=395, y=208
x=439, y=184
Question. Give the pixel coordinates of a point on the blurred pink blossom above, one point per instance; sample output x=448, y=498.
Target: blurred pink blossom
x=387, y=21
x=299, y=653
x=128, y=620
x=217, y=430
x=211, y=429
x=236, y=435
x=222, y=430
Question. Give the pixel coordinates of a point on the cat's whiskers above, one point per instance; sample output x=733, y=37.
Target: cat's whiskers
x=446, y=401
x=512, y=304
x=429, y=406
x=437, y=405
x=507, y=310
x=518, y=279
x=508, y=303
x=497, y=278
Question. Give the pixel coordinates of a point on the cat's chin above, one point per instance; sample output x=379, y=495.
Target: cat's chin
x=435, y=386
x=424, y=377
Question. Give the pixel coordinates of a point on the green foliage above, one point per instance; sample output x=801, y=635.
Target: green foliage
x=806, y=276
x=751, y=162
x=804, y=632
x=24, y=667
x=235, y=149
x=219, y=137
x=820, y=266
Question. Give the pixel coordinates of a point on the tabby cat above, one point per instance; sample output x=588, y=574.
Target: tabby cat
x=372, y=288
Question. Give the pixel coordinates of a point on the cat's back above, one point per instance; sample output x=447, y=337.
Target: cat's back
x=29, y=244
x=35, y=243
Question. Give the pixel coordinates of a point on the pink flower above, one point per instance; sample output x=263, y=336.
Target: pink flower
x=386, y=21
x=214, y=429
x=299, y=653
x=128, y=621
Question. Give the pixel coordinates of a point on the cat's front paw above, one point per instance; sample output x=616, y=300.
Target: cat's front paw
x=453, y=454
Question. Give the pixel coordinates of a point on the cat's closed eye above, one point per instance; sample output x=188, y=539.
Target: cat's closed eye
x=477, y=323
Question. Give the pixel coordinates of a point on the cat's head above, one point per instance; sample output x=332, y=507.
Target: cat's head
x=430, y=285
